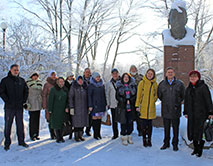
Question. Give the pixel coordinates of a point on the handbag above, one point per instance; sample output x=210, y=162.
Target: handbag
x=67, y=125
x=106, y=120
x=208, y=130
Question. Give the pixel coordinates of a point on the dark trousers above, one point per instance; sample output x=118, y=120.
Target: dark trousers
x=9, y=116
x=114, y=123
x=34, y=123
x=78, y=129
x=175, y=126
x=139, y=123
x=146, y=125
x=127, y=128
x=90, y=124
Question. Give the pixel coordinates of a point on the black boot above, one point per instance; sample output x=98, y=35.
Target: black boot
x=144, y=137
x=58, y=137
x=99, y=129
x=76, y=134
x=52, y=133
x=149, y=133
x=165, y=146
x=200, y=148
x=195, y=143
x=80, y=133
x=95, y=128
x=61, y=136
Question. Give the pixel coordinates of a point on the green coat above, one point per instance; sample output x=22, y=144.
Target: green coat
x=57, y=103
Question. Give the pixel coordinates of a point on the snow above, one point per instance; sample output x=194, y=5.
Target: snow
x=178, y=3
x=103, y=152
x=189, y=39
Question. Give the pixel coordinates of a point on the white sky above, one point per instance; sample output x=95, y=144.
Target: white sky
x=9, y=11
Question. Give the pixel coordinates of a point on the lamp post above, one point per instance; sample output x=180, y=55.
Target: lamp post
x=4, y=28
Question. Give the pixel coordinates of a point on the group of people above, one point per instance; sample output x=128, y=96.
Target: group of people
x=86, y=99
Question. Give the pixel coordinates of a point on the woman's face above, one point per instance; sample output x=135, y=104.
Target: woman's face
x=126, y=78
x=149, y=75
x=35, y=77
x=193, y=78
x=60, y=83
x=97, y=79
x=53, y=76
x=80, y=81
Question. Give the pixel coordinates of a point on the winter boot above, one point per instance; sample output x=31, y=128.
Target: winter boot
x=80, y=134
x=124, y=140
x=76, y=134
x=99, y=129
x=52, y=133
x=165, y=146
x=195, y=143
x=149, y=133
x=144, y=137
x=200, y=148
x=70, y=136
x=129, y=139
x=61, y=136
x=58, y=137
x=95, y=126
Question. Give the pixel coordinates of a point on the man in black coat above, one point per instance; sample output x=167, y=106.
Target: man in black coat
x=14, y=92
x=171, y=94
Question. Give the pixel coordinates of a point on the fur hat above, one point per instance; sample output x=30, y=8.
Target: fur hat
x=69, y=74
x=51, y=72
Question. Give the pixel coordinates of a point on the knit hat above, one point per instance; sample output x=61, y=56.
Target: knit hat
x=114, y=70
x=195, y=72
x=79, y=77
x=69, y=74
x=133, y=66
x=51, y=72
x=95, y=74
x=34, y=73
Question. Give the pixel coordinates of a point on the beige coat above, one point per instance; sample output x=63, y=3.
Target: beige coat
x=34, y=100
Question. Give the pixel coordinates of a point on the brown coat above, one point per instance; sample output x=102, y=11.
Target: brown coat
x=45, y=95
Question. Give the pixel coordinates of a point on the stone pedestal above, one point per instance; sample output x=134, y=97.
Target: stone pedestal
x=182, y=59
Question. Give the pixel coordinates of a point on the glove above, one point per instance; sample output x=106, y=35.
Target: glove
x=72, y=112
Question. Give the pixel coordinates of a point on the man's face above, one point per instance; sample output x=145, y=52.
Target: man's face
x=15, y=71
x=115, y=75
x=87, y=73
x=170, y=74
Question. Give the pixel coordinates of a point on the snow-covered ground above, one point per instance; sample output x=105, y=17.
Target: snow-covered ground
x=102, y=152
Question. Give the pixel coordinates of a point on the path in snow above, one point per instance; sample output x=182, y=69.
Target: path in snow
x=103, y=152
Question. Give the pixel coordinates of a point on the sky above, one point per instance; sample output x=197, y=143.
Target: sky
x=9, y=11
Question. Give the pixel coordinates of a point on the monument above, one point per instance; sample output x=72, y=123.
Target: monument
x=179, y=42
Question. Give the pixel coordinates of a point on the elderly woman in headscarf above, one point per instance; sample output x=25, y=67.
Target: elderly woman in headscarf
x=57, y=107
x=97, y=102
x=79, y=107
x=51, y=79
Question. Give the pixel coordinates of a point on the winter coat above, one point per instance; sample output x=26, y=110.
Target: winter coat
x=57, y=103
x=137, y=77
x=198, y=106
x=68, y=84
x=45, y=95
x=96, y=96
x=78, y=102
x=122, y=101
x=34, y=100
x=87, y=80
x=13, y=91
x=171, y=97
x=110, y=94
x=146, y=98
